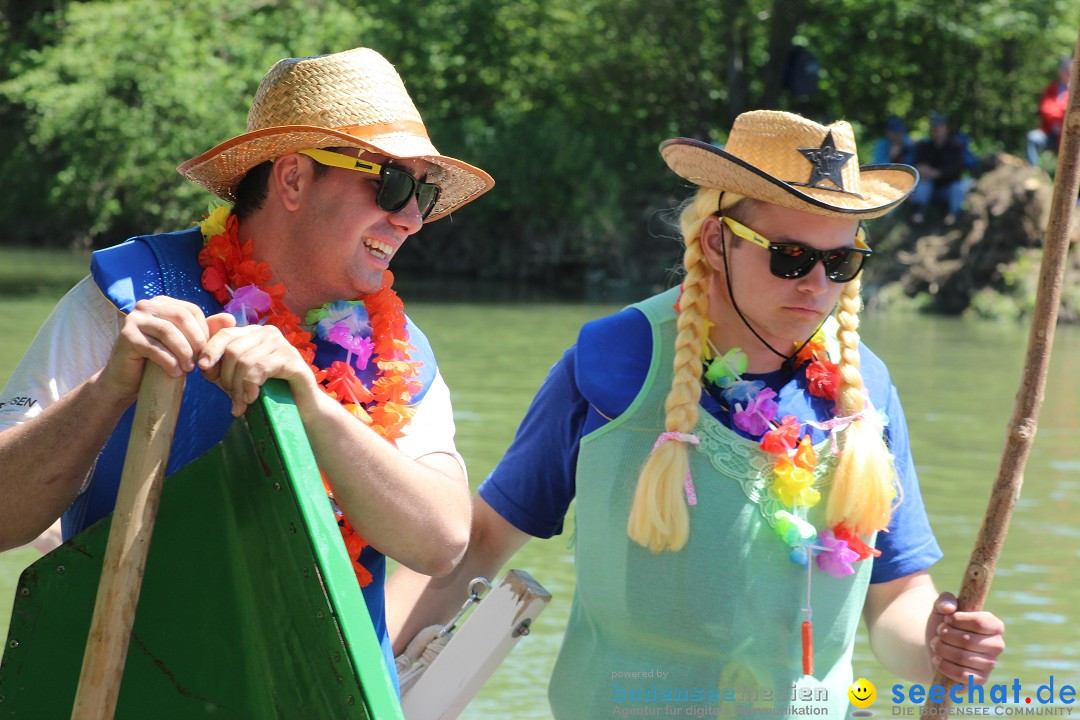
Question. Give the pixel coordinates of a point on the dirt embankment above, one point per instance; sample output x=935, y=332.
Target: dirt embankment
x=987, y=263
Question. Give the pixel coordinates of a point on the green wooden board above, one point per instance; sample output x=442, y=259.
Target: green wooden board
x=249, y=607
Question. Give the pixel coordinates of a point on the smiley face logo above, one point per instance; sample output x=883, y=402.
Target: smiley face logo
x=862, y=693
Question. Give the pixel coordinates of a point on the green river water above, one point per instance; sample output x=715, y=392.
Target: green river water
x=957, y=380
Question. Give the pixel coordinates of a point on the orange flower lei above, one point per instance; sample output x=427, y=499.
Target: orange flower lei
x=229, y=266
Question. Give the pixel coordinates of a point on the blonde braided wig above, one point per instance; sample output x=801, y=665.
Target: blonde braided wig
x=864, y=485
x=659, y=519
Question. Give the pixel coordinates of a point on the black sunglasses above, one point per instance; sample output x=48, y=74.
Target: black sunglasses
x=790, y=260
x=396, y=187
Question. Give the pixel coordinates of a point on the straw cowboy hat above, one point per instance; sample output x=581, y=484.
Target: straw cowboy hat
x=348, y=99
x=785, y=159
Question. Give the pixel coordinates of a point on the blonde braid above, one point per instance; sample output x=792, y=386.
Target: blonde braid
x=659, y=519
x=864, y=485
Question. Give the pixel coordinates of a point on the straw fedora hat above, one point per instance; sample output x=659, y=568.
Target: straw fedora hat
x=349, y=99
x=785, y=159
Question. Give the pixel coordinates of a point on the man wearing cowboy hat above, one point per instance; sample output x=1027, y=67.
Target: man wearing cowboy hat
x=334, y=173
x=744, y=485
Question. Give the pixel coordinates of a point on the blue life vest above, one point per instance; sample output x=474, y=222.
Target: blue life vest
x=152, y=265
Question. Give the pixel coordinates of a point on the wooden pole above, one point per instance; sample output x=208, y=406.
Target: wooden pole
x=129, y=541
x=1029, y=398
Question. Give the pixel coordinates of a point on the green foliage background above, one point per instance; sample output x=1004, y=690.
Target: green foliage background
x=563, y=101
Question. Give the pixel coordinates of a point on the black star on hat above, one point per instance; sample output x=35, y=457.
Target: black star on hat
x=827, y=162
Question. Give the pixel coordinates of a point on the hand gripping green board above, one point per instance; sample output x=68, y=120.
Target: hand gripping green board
x=249, y=607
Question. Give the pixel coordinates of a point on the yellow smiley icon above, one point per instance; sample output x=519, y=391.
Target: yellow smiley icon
x=862, y=693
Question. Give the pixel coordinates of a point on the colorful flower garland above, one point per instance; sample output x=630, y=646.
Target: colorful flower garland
x=240, y=283
x=835, y=550
x=795, y=460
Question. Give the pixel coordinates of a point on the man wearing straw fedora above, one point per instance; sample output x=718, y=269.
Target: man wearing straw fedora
x=334, y=173
x=740, y=461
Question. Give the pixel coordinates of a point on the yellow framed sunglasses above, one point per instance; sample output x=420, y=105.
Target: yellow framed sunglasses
x=790, y=260
x=396, y=186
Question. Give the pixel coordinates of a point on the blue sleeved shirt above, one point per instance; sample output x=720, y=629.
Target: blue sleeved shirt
x=534, y=483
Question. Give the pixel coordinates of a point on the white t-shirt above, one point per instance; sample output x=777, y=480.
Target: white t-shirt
x=77, y=339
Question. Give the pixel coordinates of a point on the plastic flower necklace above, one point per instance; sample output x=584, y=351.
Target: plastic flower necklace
x=240, y=283
x=834, y=550
x=795, y=459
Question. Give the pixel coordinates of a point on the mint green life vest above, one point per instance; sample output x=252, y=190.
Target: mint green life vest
x=716, y=625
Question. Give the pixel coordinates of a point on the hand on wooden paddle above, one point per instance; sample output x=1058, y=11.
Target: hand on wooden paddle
x=168, y=332
x=176, y=335
x=963, y=643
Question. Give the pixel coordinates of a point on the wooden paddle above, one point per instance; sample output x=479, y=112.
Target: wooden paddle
x=129, y=541
x=1029, y=398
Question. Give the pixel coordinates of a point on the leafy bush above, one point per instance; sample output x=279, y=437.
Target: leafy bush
x=563, y=101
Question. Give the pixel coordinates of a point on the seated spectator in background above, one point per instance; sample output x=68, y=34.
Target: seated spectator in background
x=1052, y=104
x=896, y=146
x=941, y=160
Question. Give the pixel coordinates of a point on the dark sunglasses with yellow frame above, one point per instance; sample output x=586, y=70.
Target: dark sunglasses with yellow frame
x=396, y=186
x=790, y=260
